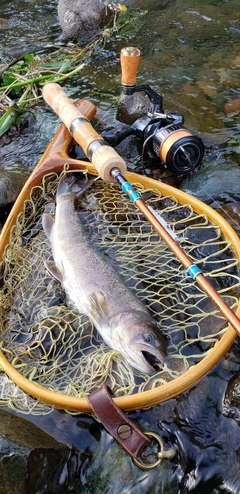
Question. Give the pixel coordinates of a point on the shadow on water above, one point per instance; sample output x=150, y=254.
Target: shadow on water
x=190, y=52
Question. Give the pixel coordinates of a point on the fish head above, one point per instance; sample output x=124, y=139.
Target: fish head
x=143, y=344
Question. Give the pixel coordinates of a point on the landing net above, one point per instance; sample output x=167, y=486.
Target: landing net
x=51, y=344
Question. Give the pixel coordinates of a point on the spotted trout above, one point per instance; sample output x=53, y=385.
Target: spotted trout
x=95, y=289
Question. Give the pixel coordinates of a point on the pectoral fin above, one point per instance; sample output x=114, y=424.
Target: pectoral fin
x=52, y=269
x=47, y=223
x=99, y=307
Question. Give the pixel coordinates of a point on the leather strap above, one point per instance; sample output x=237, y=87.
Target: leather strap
x=123, y=429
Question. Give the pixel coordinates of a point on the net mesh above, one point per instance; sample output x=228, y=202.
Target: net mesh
x=58, y=348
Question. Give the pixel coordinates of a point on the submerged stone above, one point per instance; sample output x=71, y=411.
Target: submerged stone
x=231, y=402
x=11, y=183
x=232, y=106
x=231, y=213
x=215, y=181
x=81, y=20
x=31, y=460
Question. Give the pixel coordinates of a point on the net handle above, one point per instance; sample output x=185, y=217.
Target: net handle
x=53, y=159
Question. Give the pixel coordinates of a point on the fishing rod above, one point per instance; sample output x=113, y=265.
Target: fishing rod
x=111, y=168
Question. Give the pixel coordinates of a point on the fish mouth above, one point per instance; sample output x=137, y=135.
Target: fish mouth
x=151, y=359
x=144, y=359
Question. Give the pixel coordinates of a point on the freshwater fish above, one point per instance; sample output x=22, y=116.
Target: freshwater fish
x=95, y=289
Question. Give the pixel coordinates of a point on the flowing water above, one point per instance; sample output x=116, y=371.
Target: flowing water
x=189, y=53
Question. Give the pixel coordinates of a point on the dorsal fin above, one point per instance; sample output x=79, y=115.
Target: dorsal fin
x=77, y=183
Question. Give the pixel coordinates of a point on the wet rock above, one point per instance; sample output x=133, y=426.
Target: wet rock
x=210, y=140
x=214, y=182
x=192, y=403
x=11, y=183
x=131, y=107
x=232, y=107
x=203, y=111
x=118, y=474
x=81, y=20
x=208, y=87
x=231, y=212
x=31, y=460
x=231, y=402
x=235, y=63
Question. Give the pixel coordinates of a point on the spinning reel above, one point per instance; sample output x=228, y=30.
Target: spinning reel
x=160, y=132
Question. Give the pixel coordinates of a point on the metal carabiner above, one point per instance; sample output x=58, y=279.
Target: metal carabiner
x=169, y=453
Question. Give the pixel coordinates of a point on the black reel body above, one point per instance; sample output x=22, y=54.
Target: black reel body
x=175, y=146
x=162, y=135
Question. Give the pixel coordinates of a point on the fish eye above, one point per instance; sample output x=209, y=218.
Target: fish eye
x=149, y=337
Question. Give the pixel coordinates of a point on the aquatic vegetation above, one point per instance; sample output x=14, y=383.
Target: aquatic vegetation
x=21, y=79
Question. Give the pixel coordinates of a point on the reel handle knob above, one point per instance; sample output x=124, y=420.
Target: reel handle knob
x=102, y=156
x=129, y=59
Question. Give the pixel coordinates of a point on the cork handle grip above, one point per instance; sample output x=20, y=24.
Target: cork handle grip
x=129, y=59
x=103, y=157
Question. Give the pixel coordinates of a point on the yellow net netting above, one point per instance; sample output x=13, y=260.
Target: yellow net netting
x=51, y=344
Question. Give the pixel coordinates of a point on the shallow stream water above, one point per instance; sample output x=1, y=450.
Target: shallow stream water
x=189, y=53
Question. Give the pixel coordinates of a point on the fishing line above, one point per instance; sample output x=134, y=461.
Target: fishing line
x=220, y=207
x=143, y=150
x=145, y=143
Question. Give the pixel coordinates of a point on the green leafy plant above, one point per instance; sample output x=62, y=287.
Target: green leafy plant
x=21, y=80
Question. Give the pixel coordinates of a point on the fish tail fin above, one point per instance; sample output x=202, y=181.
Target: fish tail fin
x=76, y=183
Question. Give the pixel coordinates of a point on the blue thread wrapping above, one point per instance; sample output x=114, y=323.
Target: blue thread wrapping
x=194, y=271
x=126, y=187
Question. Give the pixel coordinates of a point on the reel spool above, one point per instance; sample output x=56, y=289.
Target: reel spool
x=176, y=147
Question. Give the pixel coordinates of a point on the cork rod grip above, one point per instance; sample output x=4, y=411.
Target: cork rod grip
x=129, y=59
x=103, y=157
